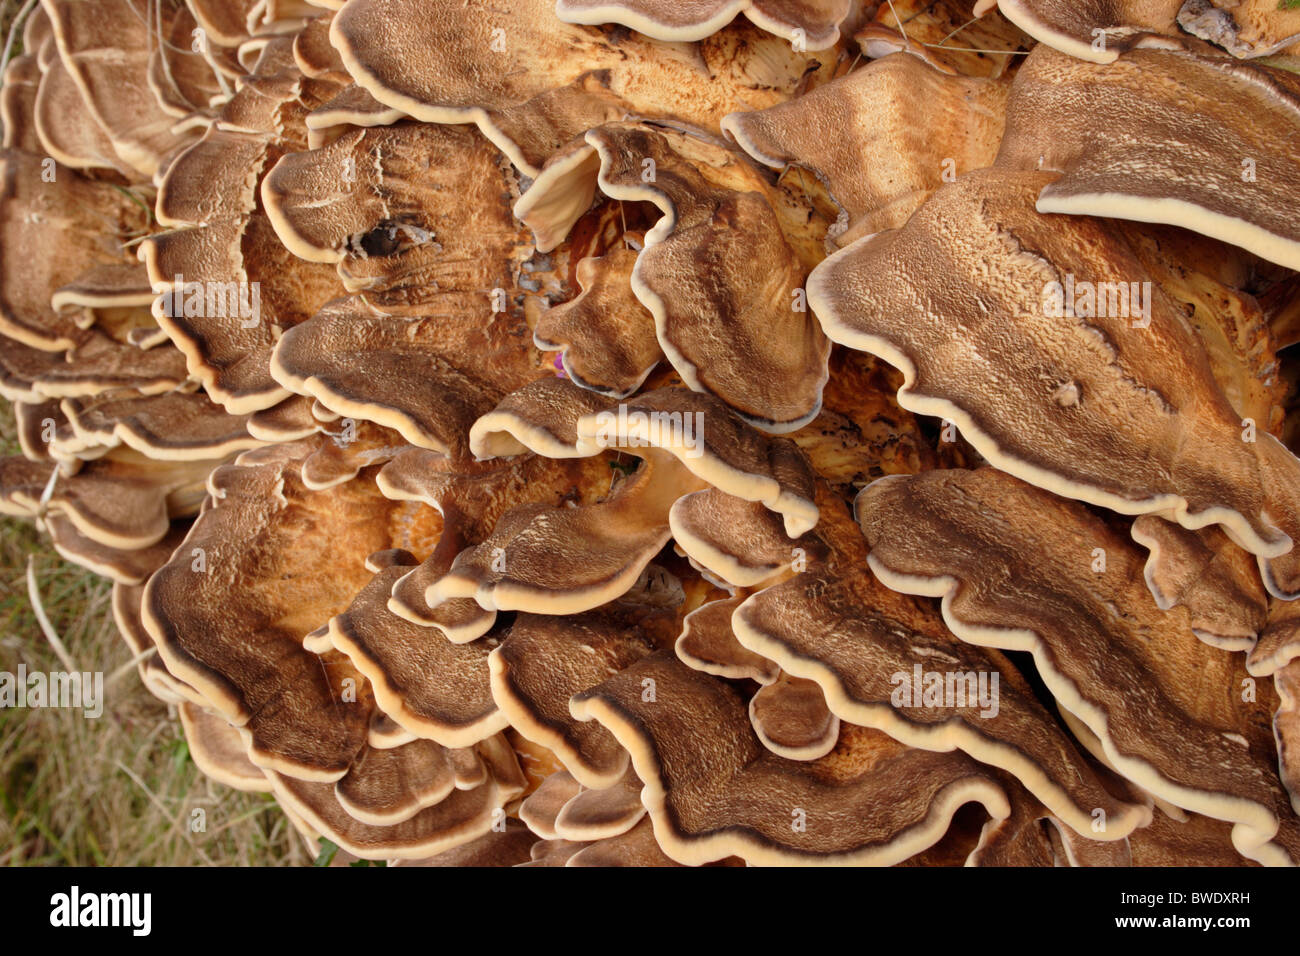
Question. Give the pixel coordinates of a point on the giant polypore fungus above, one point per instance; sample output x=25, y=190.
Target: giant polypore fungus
x=565, y=79
x=810, y=24
x=1230, y=181
x=959, y=535
x=468, y=403
x=1103, y=30
x=211, y=268
x=871, y=801
x=1120, y=380
x=934, y=126
x=550, y=562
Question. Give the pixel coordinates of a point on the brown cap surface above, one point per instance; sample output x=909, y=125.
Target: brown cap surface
x=432, y=687
x=1167, y=710
x=726, y=330
x=881, y=138
x=233, y=627
x=871, y=801
x=812, y=23
x=1115, y=411
x=1199, y=118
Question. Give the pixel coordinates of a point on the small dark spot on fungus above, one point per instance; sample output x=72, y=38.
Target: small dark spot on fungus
x=381, y=241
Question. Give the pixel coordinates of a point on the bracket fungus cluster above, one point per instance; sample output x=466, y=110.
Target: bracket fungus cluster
x=621, y=432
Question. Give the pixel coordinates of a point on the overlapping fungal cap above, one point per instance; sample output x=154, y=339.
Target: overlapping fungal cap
x=808, y=24
x=556, y=562
x=1102, y=30
x=218, y=750
x=105, y=46
x=606, y=337
x=359, y=362
x=791, y=718
x=239, y=288
x=1186, y=840
x=351, y=108
x=153, y=673
x=543, y=660
x=459, y=816
x=431, y=687
x=244, y=653
x=442, y=279
x=98, y=390
x=277, y=17
x=377, y=52
x=880, y=139
x=184, y=82
x=352, y=447
x=747, y=339
x=128, y=472
x=547, y=561
x=173, y=426
x=225, y=24
x=1226, y=177
x=1033, y=836
x=121, y=501
x=290, y=420
x=944, y=34
x=96, y=365
x=1192, y=738
x=67, y=225
x=471, y=497
x=788, y=713
x=707, y=643
x=509, y=847
x=1279, y=644
x=884, y=662
x=1120, y=409
x=380, y=191
x=126, y=565
x=1094, y=30
x=1207, y=573
x=602, y=813
x=871, y=800
x=532, y=83
x=542, y=807
x=64, y=128
x=591, y=827
x=308, y=720
x=314, y=55
x=738, y=543
x=387, y=786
